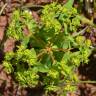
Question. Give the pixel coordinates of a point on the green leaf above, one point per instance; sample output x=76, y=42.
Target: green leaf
x=66, y=44
x=69, y=4
x=42, y=68
x=33, y=53
x=25, y=41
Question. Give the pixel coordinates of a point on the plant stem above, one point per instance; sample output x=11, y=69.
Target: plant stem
x=41, y=53
x=92, y=82
x=76, y=83
x=80, y=32
x=61, y=49
x=52, y=57
x=2, y=9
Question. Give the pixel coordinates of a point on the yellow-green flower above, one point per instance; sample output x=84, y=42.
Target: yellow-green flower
x=88, y=43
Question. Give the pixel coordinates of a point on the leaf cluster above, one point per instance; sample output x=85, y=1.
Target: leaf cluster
x=50, y=55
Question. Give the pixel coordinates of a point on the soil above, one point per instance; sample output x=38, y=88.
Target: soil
x=7, y=85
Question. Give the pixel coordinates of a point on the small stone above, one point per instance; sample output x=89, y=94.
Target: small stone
x=9, y=45
x=26, y=31
x=35, y=16
x=2, y=29
x=3, y=21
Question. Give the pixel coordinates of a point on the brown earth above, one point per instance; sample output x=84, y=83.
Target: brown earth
x=7, y=85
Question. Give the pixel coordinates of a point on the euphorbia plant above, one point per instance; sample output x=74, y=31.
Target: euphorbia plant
x=49, y=55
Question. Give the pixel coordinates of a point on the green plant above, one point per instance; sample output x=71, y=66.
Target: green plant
x=50, y=54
